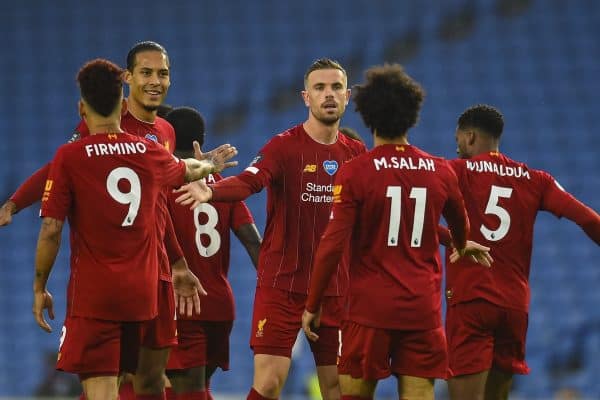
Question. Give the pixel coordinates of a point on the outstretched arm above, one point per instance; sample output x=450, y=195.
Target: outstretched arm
x=563, y=204
x=198, y=169
x=6, y=212
x=47, y=249
x=233, y=188
x=27, y=194
x=585, y=217
x=214, y=155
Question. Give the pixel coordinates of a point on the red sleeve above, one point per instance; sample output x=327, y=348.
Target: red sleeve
x=563, y=204
x=171, y=169
x=455, y=213
x=32, y=189
x=334, y=241
x=444, y=235
x=240, y=215
x=585, y=217
x=56, y=198
x=264, y=170
x=236, y=188
x=174, y=251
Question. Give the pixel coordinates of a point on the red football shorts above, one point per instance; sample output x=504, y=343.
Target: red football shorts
x=201, y=343
x=373, y=354
x=277, y=319
x=94, y=347
x=161, y=331
x=482, y=335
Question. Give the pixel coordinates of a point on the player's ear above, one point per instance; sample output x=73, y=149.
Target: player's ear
x=348, y=96
x=127, y=76
x=471, y=138
x=305, y=97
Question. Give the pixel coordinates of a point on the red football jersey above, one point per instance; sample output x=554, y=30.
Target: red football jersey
x=32, y=189
x=387, y=205
x=107, y=186
x=299, y=174
x=503, y=198
x=204, y=237
x=161, y=131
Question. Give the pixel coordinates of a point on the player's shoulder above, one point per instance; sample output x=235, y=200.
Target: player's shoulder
x=74, y=151
x=360, y=161
x=440, y=162
x=81, y=131
x=422, y=153
x=357, y=146
x=283, y=142
x=163, y=124
x=294, y=133
x=70, y=148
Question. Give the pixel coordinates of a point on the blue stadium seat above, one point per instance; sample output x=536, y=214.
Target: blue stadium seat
x=540, y=68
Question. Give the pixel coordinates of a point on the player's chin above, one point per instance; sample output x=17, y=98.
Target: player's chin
x=152, y=105
x=153, y=101
x=329, y=119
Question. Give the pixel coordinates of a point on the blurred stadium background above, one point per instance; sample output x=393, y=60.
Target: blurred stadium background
x=242, y=63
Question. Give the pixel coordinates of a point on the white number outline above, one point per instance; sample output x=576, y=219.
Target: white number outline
x=208, y=229
x=492, y=207
x=419, y=194
x=132, y=198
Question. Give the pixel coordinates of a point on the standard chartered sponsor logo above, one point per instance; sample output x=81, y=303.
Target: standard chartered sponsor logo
x=314, y=193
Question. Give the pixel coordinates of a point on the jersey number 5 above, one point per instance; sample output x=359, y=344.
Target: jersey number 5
x=420, y=197
x=497, y=192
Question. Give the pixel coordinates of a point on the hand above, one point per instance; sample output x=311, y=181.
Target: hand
x=193, y=194
x=6, y=212
x=218, y=156
x=41, y=301
x=478, y=253
x=311, y=321
x=187, y=290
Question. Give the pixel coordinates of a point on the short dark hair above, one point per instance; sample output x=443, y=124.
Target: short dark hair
x=323, y=63
x=189, y=126
x=389, y=101
x=484, y=118
x=141, y=47
x=101, y=85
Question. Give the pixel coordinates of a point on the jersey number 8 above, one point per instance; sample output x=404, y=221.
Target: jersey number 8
x=208, y=228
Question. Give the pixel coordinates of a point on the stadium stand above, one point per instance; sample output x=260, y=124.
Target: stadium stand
x=242, y=63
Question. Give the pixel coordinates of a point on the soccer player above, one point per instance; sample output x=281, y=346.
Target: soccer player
x=148, y=78
x=486, y=322
x=298, y=167
x=387, y=206
x=107, y=185
x=203, y=340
